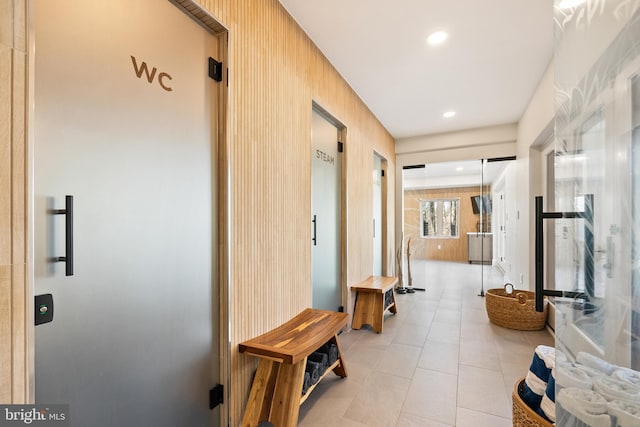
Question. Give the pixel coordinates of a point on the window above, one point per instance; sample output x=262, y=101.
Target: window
x=439, y=218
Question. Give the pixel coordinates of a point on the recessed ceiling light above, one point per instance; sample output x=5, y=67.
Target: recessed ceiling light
x=448, y=114
x=459, y=168
x=437, y=37
x=568, y=4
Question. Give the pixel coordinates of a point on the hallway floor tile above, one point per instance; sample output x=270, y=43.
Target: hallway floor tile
x=439, y=361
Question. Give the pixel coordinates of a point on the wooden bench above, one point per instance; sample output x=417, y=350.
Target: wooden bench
x=276, y=393
x=373, y=297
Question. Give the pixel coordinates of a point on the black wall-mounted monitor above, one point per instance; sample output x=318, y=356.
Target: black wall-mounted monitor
x=486, y=204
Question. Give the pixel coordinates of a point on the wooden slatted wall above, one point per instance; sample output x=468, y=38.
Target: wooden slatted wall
x=440, y=249
x=275, y=74
x=14, y=368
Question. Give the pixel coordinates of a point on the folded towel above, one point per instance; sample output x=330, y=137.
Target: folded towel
x=627, y=375
x=548, y=405
x=593, y=373
x=532, y=391
x=577, y=407
x=595, y=362
x=313, y=368
x=331, y=350
x=612, y=389
x=626, y=414
x=306, y=383
x=535, y=383
x=587, y=401
x=321, y=358
x=333, y=353
x=548, y=354
x=570, y=376
x=560, y=357
x=388, y=298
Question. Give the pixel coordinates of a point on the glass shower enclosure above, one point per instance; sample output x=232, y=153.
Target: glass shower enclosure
x=597, y=226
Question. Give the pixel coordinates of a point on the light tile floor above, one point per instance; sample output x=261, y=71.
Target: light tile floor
x=439, y=361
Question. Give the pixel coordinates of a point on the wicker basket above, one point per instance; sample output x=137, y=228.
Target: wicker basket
x=523, y=416
x=515, y=309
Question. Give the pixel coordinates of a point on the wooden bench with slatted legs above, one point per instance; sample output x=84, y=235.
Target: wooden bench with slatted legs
x=276, y=393
x=370, y=301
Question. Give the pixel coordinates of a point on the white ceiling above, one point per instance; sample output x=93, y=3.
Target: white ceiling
x=486, y=71
x=467, y=173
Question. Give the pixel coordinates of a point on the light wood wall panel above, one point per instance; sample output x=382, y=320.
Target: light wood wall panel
x=275, y=74
x=14, y=294
x=450, y=249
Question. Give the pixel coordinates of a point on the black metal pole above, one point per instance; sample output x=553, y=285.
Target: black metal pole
x=539, y=255
x=481, y=294
x=589, y=247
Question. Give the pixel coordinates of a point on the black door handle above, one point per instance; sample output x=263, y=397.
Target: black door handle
x=315, y=241
x=589, y=274
x=68, y=244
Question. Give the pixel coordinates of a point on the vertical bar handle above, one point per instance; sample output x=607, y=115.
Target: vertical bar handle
x=68, y=244
x=315, y=222
x=539, y=255
x=589, y=246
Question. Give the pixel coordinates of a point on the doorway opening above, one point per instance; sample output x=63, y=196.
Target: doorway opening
x=449, y=215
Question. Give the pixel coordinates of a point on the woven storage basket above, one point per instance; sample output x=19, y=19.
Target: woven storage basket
x=523, y=416
x=515, y=309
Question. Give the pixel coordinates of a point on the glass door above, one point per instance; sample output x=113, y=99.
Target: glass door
x=377, y=214
x=131, y=161
x=496, y=225
x=450, y=217
x=326, y=194
x=597, y=121
x=633, y=305
x=581, y=246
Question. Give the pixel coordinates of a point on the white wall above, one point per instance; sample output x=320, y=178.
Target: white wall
x=532, y=128
x=443, y=143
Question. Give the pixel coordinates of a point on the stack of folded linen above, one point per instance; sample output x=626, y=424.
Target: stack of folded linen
x=572, y=376
x=612, y=389
x=595, y=362
x=314, y=370
x=547, y=409
x=581, y=408
x=593, y=392
x=535, y=383
x=626, y=414
x=627, y=375
x=321, y=358
x=388, y=298
x=306, y=382
x=317, y=364
x=590, y=391
x=591, y=372
x=538, y=390
x=331, y=350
